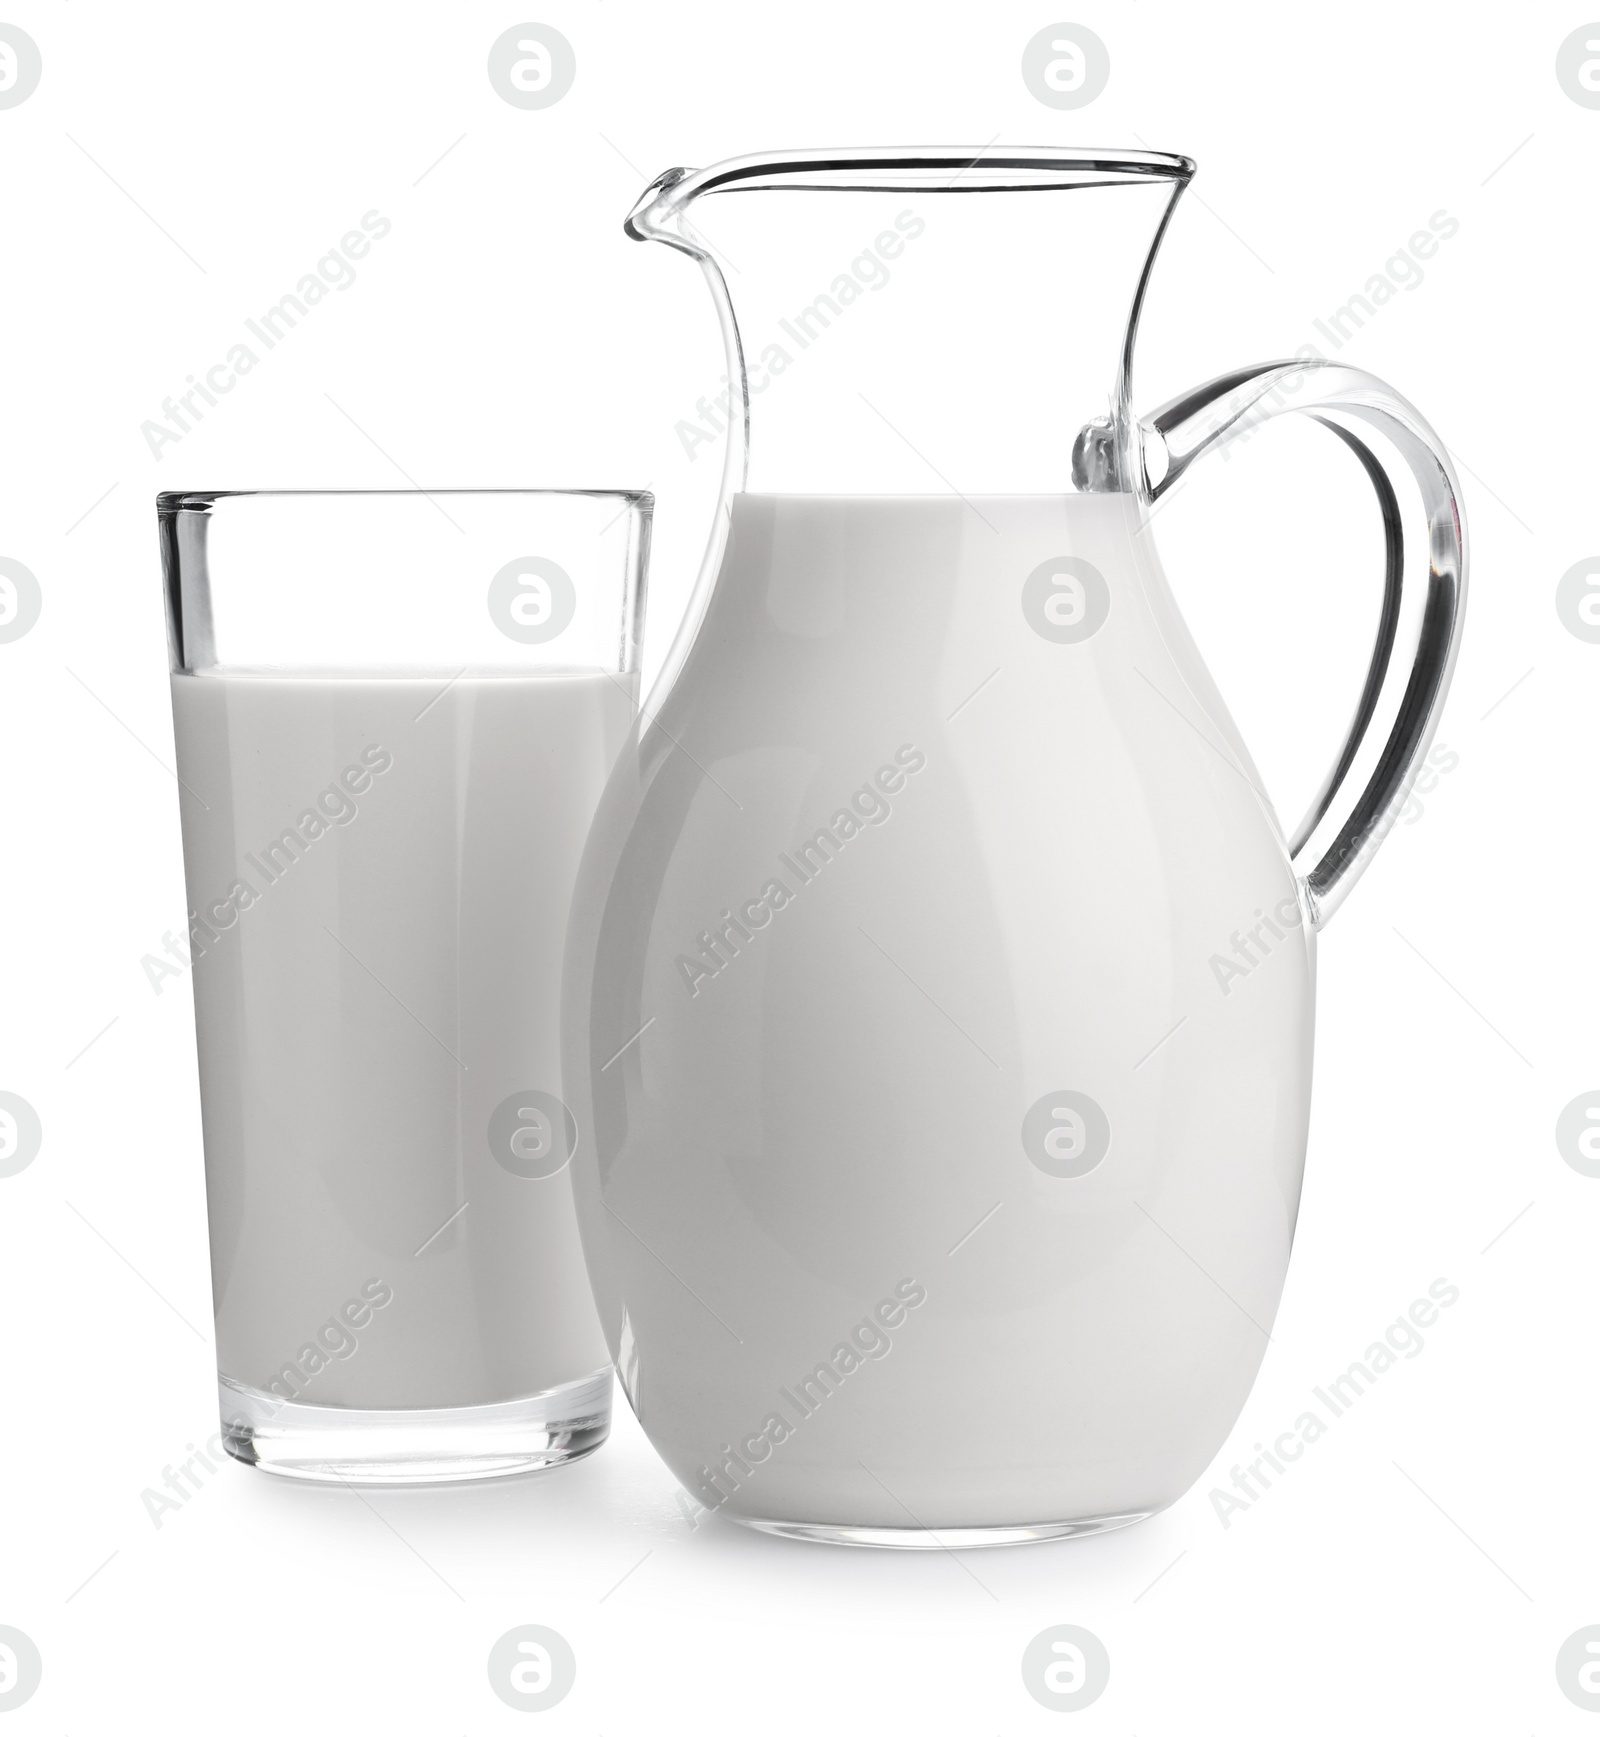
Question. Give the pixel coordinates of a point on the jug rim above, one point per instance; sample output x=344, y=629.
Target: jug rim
x=931, y=169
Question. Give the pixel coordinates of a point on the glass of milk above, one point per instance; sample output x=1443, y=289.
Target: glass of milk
x=394, y=715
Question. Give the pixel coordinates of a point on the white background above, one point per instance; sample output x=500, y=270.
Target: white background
x=179, y=169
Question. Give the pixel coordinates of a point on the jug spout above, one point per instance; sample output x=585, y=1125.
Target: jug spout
x=653, y=212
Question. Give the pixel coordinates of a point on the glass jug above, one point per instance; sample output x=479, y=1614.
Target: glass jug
x=939, y=995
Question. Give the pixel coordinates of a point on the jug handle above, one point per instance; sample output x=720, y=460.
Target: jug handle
x=1424, y=592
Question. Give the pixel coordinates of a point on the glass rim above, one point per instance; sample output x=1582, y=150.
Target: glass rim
x=171, y=501
x=927, y=169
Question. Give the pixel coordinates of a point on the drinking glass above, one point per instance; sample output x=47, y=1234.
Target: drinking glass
x=394, y=713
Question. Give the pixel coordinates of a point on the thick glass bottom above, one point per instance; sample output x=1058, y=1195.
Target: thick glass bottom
x=946, y=1537
x=347, y=1445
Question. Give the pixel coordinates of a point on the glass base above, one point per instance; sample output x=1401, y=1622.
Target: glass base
x=946, y=1537
x=338, y=1444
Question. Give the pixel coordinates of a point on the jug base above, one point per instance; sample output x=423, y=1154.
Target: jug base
x=447, y=1444
x=945, y=1537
